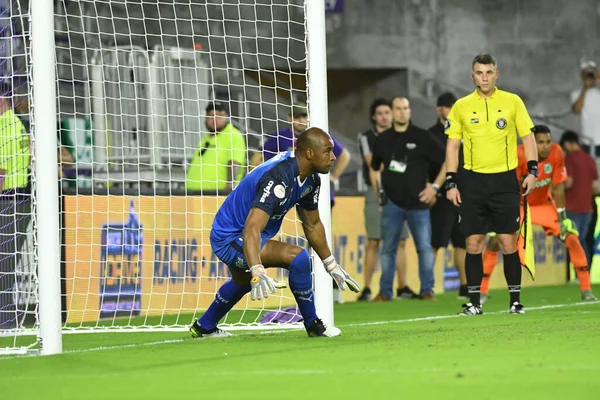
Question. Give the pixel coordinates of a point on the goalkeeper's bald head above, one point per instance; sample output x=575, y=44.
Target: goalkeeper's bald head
x=315, y=150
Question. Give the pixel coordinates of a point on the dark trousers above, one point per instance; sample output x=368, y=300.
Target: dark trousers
x=15, y=214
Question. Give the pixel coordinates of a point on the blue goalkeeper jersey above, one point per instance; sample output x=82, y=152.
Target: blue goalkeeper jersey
x=275, y=188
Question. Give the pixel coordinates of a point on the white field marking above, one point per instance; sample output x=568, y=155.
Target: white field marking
x=480, y=369
x=401, y=321
x=268, y=332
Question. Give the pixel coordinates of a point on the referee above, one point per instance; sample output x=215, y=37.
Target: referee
x=487, y=121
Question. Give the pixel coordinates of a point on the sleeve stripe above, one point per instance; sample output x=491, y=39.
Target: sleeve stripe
x=364, y=145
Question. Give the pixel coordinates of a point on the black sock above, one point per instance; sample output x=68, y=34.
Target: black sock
x=474, y=271
x=512, y=273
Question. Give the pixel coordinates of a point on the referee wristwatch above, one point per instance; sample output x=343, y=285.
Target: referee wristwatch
x=450, y=181
x=532, y=168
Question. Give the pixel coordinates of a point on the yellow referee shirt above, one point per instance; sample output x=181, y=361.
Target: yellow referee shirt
x=488, y=128
x=209, y=167
x=14, y=151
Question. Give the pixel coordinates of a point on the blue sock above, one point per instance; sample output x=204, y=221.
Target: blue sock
x=301, y=285
x=227, y=296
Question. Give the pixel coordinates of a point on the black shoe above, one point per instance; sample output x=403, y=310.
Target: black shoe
x=317, y=328
x=406, y=293
x=471, y=309
x=199, y=332
x=516, y=308
x=463, y=292
x=365, y=295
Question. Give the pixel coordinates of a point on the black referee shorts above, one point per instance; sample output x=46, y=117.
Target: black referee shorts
x=444, y=225
x=490, y=202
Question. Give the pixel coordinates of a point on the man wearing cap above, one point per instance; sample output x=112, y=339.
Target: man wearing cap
x=15, y=202
x=586, y=102
x=217, y=162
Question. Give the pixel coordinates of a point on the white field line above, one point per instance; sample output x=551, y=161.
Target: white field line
x=272, y=331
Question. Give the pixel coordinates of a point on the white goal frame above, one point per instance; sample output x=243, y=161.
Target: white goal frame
x=50, y=329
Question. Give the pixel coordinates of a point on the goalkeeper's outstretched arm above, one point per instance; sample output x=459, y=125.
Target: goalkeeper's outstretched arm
x=315, y=233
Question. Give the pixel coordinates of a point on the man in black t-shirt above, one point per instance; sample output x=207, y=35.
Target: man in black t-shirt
x=381, y=118
x=405, y=152
x=444, y=216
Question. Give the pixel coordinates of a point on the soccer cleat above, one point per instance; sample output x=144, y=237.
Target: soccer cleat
x=517, y=308
x=471, y=309
x=318, y=329
x=483, y=298
x=199, y=332
x=587, y=295
x=365, y=295
x=406, y=293
x=463, y=292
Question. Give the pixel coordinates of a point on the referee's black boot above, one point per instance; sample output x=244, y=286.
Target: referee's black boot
x=471, y=309
x=516, y=308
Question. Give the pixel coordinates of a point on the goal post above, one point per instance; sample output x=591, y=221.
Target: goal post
x=46, y=178
x=317, y=95
x=121, y=90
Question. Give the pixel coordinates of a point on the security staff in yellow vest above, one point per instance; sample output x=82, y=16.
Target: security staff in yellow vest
x=15, y=203
x=217, y=164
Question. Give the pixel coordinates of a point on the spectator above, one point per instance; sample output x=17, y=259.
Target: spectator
x=581, y=175
x=381, y=118
x=217, y=163
x=586, y=102
x=284, y=139
x=444, y=216
x=405, y=152
x=15, y=201
x=65, y=158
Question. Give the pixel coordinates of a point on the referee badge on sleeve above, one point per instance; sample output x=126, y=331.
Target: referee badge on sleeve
x=447, y=124
x=501, y=123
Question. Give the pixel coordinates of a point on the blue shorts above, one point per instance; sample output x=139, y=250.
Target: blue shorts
x=232, y=253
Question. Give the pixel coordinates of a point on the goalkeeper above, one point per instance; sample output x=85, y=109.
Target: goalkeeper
x=252, y=214
x=547, y=208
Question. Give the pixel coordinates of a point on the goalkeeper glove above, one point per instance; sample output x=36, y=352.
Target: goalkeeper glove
x=261, y=284
x=340, y=276
x=566, y=225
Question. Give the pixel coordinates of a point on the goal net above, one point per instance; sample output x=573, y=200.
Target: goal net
x=18, y=260
x=162, y=108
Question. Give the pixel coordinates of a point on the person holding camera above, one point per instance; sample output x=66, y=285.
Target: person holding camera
x=586, y=102
x=405, y=152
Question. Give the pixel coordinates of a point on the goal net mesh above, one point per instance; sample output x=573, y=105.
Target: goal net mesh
x=162, y=107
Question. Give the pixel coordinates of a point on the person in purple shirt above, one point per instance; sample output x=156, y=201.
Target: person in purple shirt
x=285, y=139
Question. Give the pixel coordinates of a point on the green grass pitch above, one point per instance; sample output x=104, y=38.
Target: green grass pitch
x=403, y=348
